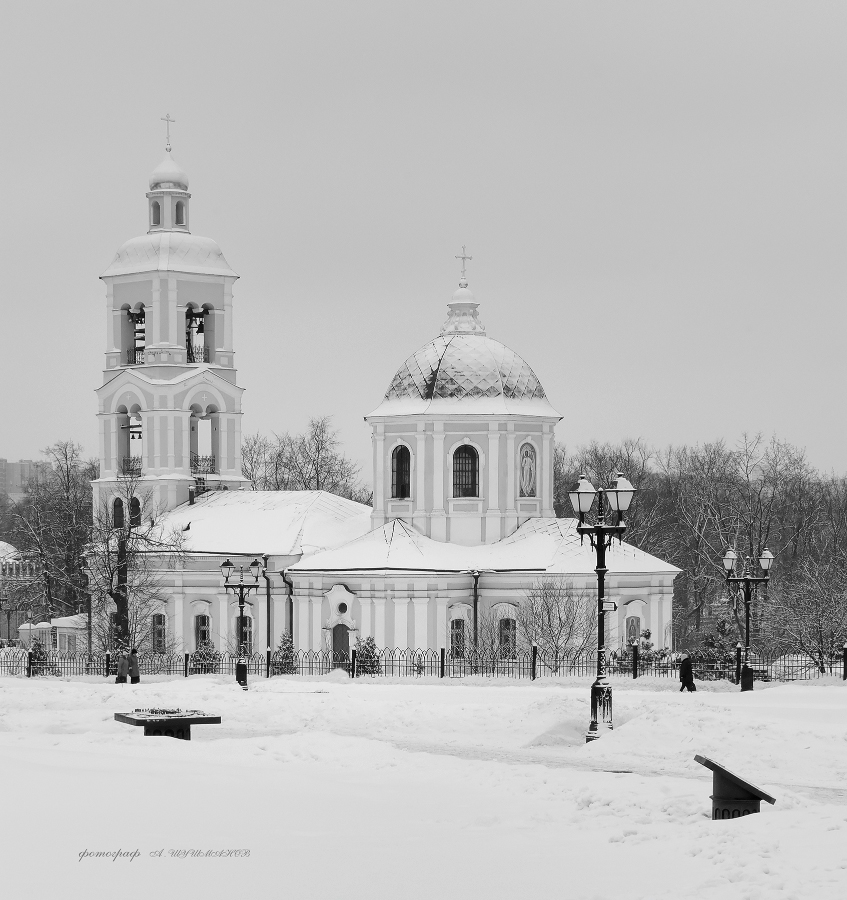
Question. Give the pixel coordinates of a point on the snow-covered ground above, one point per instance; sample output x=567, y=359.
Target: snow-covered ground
x=373, y=789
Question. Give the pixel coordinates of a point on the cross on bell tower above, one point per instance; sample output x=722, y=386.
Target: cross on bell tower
x=168, y=122
x=464, y=258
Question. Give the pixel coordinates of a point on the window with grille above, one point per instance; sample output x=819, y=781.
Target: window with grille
x=508, y=638
x=158, y=632
x=466, y=472
x=401, y=471
x=118, y=513
x=244, y=627
x=135, y=512
x=457, y=638
x=202, y=630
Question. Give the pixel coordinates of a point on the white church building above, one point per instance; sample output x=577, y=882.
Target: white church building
x=463, y=445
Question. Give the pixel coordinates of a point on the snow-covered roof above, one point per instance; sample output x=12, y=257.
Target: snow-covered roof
x=279, y=523
x=169, y=251
x=168, y=172
x=539, y=545
x=463, y=371
x=6, y=550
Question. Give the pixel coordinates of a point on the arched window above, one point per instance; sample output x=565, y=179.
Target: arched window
x=527, y=470
x=157, y=632
x=155, y=213
x=457, y=638
x=134, y=513
x=180, y=213
x=401, y=467
x=508, y=638
x=202, y=630
x=118, y=513
x=466, y=472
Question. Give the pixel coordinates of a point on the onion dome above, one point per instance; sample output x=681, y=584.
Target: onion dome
x=168, y=174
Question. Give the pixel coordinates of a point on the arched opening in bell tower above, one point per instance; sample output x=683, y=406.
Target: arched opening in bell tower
x=179, y=217
x=133, y=335
x=203, y=440
x=155, y=214
x=196, y=334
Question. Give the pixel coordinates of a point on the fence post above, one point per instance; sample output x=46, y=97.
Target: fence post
x=738, y=664
x=444, y=661
x=635, y=660
x=29, y=663
x=108, y=664
x=844, y=661
x=534, y=669
x=185, y=666
x=268, y=664
x=353, y=663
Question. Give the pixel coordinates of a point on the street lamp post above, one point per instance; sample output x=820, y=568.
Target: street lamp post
x=730, y=560
x=242, y=588
x=617, y=497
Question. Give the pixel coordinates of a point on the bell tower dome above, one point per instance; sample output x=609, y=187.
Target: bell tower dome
x=169, y=405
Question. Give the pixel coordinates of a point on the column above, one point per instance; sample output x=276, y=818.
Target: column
x=419, y=519
x=379, y=471
x=511, y=465
x=401, y=623
x=317, y=622
x=379, y=621
x=439, y=520
x=493, y=514
x=302, y=622
x=178, y=623
x=421, y=608
x=223, y=622
x=545, y=473
x=365, y=624
x=442, y=639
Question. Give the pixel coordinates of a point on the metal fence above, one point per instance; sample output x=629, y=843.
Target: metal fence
x=531, y=664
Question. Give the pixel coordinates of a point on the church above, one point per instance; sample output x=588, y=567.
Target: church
x=462, y=522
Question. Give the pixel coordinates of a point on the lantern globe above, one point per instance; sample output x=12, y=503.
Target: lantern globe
x=255, y=569
x=766, y=559
x=729, y=559
x=620, y=493
x=226, y=569
x=582, y=496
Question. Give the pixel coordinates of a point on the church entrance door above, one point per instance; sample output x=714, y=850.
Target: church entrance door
x=340, y=645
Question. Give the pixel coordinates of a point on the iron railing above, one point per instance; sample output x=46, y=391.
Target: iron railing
x=203, y=465
x=408, y=663
x=197, y=353
x=135, y=356
x=131, y=465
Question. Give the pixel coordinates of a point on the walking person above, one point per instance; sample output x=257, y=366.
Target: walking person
x=686, y=673
x=123, y=667
x=134, y=673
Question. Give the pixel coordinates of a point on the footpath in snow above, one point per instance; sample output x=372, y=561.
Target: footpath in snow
x=427, y=788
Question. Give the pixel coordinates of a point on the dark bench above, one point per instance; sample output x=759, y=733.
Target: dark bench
x=175, y=723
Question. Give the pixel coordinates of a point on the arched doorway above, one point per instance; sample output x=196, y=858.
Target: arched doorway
x=340, y=644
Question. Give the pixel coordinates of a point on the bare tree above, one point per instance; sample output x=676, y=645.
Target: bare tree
x=312, y=461
x=559, y=619
x=807, y=612
x=126, y=558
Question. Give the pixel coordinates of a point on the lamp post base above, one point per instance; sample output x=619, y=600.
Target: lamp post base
x=601, y=709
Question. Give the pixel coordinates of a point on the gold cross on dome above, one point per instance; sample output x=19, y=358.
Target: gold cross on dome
x=168, y=122
x=464, y=258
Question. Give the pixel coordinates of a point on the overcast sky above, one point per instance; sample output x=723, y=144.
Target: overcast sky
x=653, y=195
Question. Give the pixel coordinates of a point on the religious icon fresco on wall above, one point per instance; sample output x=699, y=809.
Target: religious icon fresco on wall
x=527, y=470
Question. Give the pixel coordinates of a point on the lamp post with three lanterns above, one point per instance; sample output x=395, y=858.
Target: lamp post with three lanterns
x=730, y=560
x=242, y=588
x=618, y=498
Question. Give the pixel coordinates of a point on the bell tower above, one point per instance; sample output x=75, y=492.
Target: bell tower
x=169, y=405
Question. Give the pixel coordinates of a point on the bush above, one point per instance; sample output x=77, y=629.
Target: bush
x=284, y=659
x=367, y=656
x=205, y=660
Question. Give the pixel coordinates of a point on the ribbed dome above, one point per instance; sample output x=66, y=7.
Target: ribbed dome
x=168, y=173
x=460, y=366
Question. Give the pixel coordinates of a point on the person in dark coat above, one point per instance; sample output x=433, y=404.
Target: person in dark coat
x=123, y=667
x=686, y=673
x=134, y=674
